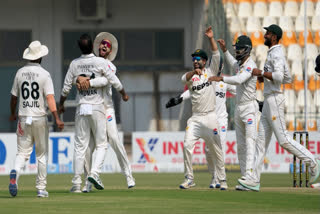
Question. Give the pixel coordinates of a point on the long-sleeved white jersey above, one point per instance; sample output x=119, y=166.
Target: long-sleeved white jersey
x=32, y=84
x=244, y=81
x=277, y=64
x=103, y=82
x=202, y=92
x=221, y=91
x=90, y=65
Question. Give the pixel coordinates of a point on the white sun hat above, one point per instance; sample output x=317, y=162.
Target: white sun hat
x=35, y=51
x=104, y=35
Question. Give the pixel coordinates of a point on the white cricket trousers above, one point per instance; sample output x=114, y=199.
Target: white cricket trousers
x=273, y=121
x=245, y=119
x=86, y=126
x=223, y=127
x=114, y=140
x=203, y=126
x=27, y=135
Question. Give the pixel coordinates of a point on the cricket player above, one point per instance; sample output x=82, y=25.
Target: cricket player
x=275, y=73
x=222, y=115
x=203, y=122
x=106, y=46
x=34, y=88
x=90, y=113
x=246, y=110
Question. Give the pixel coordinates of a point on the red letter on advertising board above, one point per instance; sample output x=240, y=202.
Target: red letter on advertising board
x=230, y=147
x=173, y=148
x=197, y=148
x=311, y=147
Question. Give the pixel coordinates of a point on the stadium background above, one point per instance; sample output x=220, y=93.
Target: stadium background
x=156, y=39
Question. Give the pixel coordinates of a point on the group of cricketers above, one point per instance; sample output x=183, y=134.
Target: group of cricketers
x=253, y=138
x=93, y=73
x=94, y=76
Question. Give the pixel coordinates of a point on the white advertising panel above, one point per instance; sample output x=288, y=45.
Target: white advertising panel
x=60, y=154
x=163, y=152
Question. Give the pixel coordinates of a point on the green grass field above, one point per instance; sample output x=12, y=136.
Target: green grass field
x=159, y=193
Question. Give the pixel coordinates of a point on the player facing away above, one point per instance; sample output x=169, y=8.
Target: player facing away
x=90, y=116
x=222, y=115
x=33, y=86
x=246, y=109
x=106, y=46
x=203, y=122
x=275, y=73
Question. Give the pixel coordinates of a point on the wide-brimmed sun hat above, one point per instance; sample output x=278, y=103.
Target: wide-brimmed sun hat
x=35, y=51
x=108, y=36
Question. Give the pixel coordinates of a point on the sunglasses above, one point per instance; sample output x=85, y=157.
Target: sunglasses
x=106, y=43
x=197, y=58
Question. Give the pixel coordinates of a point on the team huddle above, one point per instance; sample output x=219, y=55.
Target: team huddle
x=93, y=74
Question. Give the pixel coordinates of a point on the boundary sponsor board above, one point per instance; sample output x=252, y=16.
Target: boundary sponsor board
x=60, y=154
x=163, y=152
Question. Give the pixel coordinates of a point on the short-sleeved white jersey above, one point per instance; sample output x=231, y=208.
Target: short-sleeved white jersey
x=277, y=64
x=202, y=92
x=89, y=65
x=244, y=81
x=32, y=84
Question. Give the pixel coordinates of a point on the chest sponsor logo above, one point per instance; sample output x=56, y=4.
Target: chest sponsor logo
x=249, y=121
x=220, y=94
x=201, y=86
x=194, y=79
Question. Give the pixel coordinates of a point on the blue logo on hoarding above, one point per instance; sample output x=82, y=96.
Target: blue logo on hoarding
x=145, y=156
x=3, y=152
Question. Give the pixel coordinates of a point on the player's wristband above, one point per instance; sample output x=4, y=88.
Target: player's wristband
x=262, y=72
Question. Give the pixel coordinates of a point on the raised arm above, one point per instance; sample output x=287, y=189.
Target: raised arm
x=215, y=58
x=229, y=58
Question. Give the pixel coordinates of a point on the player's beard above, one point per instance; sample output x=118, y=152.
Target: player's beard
x=198, y=64
x=267, y=42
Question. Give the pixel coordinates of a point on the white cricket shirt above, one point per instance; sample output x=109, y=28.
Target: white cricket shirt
x=89, y=65
x=244, y=81
x=32, y=84
x=277, y=64
x=202, y=92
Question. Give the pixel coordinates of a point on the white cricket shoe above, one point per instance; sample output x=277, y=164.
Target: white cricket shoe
x=75, y=189
x=214, y=183
x=223, y=185
x=95, y=180
x=130, y=181
x=187, y=183
x=87, y=187
x=42, y=193
x=315, y=172
x=250, y=184
x=241, y=188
